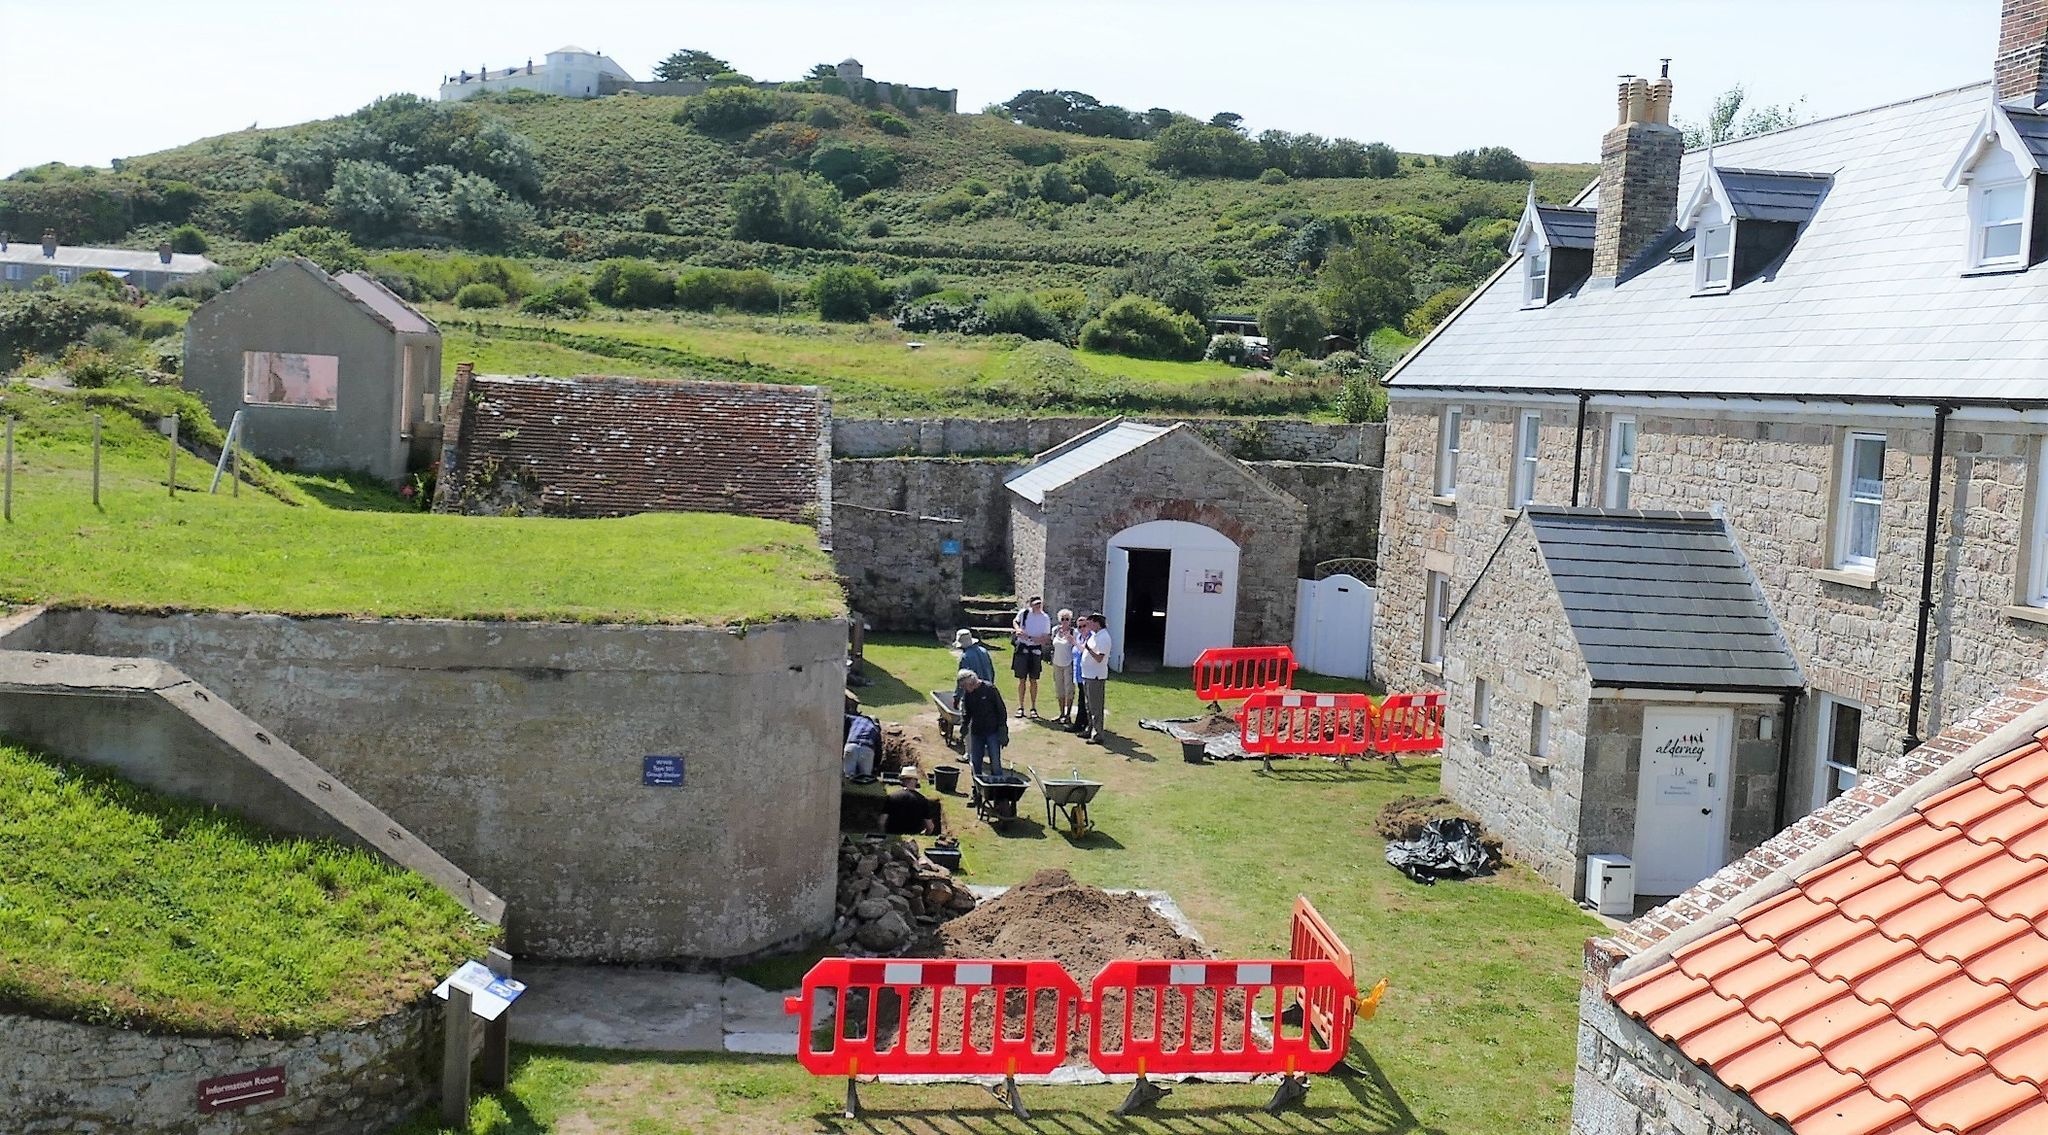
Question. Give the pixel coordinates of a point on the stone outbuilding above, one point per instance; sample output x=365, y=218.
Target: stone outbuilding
x=1617, y=685
x=1182, y=546
x=329, y=372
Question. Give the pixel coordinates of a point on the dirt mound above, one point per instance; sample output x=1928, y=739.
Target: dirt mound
x=1213, y=725
x=1404, y=816
x=901, y=747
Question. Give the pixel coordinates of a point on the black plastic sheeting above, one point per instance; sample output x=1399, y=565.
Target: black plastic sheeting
x=1448, y=848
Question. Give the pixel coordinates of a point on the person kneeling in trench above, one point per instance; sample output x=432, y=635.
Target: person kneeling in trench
x=907, y=811
x=987, y=722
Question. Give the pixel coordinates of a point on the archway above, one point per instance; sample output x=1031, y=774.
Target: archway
x=1170, y=592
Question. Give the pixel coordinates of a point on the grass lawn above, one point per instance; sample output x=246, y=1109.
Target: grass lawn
x=121, y=907
x=344, y=552
x=1476, y=1034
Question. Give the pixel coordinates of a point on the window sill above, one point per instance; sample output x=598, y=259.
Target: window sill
x=2027, y=614
x=1536, y=764
x=1722, y=290
x=1444, y=501
x=1995, y=269
x=1862, y=578
x=1433, y=669
x=1511, y=514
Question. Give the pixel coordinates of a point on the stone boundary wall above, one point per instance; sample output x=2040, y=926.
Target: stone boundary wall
x=1248, y=439
x=516, y=750
x=1343, y=502
x=898, y=574
x=63, y=1077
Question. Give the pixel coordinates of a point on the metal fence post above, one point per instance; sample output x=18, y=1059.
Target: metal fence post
x=174, y=457
x=95, y=460
x=455, y=1059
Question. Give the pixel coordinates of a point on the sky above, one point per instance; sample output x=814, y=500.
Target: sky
x=86, y=81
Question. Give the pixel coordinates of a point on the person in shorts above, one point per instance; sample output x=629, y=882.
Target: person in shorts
x=1062, y=663
x=1031, y=637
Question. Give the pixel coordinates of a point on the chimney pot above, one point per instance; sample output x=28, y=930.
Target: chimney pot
x=465, y=370
x=50, y=245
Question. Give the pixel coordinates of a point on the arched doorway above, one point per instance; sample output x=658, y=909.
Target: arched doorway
x=1170, y=592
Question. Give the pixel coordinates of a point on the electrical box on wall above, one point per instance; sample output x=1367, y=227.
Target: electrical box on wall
x=1611, y=885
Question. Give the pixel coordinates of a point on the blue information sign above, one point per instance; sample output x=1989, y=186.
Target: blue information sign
x=949, y=547
x=661, y=772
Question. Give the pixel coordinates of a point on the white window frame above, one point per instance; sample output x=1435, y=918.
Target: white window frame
x=1528, y=455
x=1542, y=730
x=1704, y=279
x=1482, y=705
x=1450, y=423
x=1981, y=226
x=14, y=272
x=66, y=275
x=1847, y=502
x=1436, y=615
x=1620, y=478
x=1536, y=276
x=1831, y=778
x=2037, y=538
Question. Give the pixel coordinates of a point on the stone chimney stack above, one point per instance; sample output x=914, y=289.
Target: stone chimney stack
x=50, y=245
x=163, y=253
x=1639, y=161
x=2022, y=66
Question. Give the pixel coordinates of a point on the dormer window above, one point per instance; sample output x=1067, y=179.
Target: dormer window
x=1715, y=258
x=1536, y=291
x=2001, y=165
x=1998, y=216
x=1744, y=223
x=1555, y=243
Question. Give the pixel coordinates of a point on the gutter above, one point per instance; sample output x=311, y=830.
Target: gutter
x=1941, y=413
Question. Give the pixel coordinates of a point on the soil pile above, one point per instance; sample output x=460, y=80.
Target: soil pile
x=1214, y=724
x=1404, y=816
x=900, y=748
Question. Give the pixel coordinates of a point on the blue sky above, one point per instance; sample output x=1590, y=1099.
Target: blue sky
x=89, y=80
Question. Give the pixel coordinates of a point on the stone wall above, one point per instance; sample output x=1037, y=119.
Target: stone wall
x=1614, y=748
x=62, y=1077
x=1773, y=479
x=1248, y=439
x=970, y=491
x=1342, y=502
x=515, y=749
x=1629, y=1082
x=898, y=574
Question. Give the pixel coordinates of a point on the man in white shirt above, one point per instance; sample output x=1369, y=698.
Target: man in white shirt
x=1030, y=636
x=1095, y=673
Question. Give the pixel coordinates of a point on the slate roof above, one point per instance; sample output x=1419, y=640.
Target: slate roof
x=2032, y=126
x=1871, y=303
x=88, y=259
x=1079, y=456
x=614, y=446
x=1567, y=226
x=1661, y=600
x=1772, y=195
x=1900, y=986
x=389, y=308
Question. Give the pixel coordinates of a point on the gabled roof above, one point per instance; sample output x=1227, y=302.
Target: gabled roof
x=1897, y=982
x=1081, y=455
x=2019, y=131
x=1773, y=195
x=1560, y=226
x=390, y=309
x=613, y=446
x=87, y=259
x=1872, y=303
x=1661, y=600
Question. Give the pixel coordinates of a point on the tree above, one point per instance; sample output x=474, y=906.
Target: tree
x=331, y=250
x=1432, y=311
x=1174, y=279
x=1227, y=120
x=821, y=71
x=1195, y=150
x=1734, y=117
x=370, y=198
x=689, y=63
x=1074, y=112
x=1489, y=163
x=1293, y=322
x=1381, y=160
x=1362, y=288
x=187, y=238
x=1143, y=329
x=847, y=294
x=786, y=208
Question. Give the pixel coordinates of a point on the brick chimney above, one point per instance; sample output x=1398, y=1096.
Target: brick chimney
x=2022, y=65
x=50, y=245
x=1639, y=161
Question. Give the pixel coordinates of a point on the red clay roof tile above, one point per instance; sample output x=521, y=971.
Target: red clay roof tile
x=1900, y=988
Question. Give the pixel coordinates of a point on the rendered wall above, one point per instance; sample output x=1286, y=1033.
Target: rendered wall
x=515, y=749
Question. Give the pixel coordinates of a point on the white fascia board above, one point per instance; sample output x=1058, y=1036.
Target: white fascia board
x=1994, y=129
x=1687, y=697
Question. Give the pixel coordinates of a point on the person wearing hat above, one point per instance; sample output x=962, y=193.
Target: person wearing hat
x=907, y=811
x=973, y=655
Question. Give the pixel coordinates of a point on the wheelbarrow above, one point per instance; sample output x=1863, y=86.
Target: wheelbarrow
x=1068, y=797
x=996, y=797
x=950, y=726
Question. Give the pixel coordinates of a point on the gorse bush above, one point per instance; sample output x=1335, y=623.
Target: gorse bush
x=787, y=208
x=473, y=296
x=847, y=294
x=1144, y=329
x=727, y=110
x=188, y=238
x=625, y=282
x=566, y=297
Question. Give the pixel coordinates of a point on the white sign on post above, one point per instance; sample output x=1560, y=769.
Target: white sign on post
x=489, y=994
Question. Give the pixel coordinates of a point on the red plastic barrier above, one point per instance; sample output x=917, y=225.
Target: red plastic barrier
x=1312, y=939
x=1230, y=672
x=1409, y=723
x=1215, y=1005
x=969, y=1018
x=1298, y=723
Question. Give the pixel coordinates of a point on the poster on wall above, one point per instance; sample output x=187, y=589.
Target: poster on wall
x=1208, y=581
x=279, y=378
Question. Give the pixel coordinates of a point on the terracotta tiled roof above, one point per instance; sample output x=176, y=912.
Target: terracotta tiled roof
x=1900, y=987
x=611, y=446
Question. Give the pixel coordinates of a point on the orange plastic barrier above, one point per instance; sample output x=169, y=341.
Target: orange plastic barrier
x=1409, y=723
x=1298, y=723
x=1230, y=672
x=1312, y=939
x=935, y=1018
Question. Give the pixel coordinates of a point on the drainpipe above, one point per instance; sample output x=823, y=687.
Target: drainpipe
x=1778, y=811
x=1579, y=448
x=1941, y=413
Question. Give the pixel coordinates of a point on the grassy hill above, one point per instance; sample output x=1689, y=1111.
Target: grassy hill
x=123, y=907
x=325, y=546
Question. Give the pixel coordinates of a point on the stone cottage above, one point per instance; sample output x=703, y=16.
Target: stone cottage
x=1828, y=337
x=1182, y=546
x=329, y=372
x=21, y=265
x=1636, y=703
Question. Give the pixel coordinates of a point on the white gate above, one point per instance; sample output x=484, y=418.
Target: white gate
x=1333, y=626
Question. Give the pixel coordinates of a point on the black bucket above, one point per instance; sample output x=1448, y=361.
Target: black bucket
x=947, y=857
x=946, y=778
x=1194, y=752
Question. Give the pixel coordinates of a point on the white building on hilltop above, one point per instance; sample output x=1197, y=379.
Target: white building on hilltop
x=568, y=71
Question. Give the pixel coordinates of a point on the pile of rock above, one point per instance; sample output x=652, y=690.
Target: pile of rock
x=891, y=897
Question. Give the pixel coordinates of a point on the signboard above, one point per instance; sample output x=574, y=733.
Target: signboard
x=489, y=994
x=949, y=547
x=661, y=772
x=240, y=1089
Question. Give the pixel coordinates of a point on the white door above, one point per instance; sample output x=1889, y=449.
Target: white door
x=1333, y=626
x=1115, y=588
x=1682, y=797
x=1201, y=602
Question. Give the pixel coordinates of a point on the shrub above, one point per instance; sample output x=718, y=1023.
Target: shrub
x=940, y=313
x=847, y=294
x=1432, y=311
x=1290, y=362
x=918, y=285
x=187, y=238
x=1292, y=322
x=1489, y=163
x=1145, y=329
x=263, y=214
x=474, y=296
x=331, y=250
x=1037, y=153
x=727, y=110
x=888, y=123
x=1362, y=398
x=43, y=323
x=878, y=228
x=203, y=286
x=823, y=118
x=1228, y=348
x=1381, y=160
x=654, y=219
x=786, y=208
x=565, y=297
x=1020, y=313
x=1344, y=364
x=157, y=324
x=1068, y=305
x=1272, y=176
x=1226, y=273
x=1173, y=278
x=626, y=282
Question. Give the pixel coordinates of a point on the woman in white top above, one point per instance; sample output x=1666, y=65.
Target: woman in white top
x=1063, y=663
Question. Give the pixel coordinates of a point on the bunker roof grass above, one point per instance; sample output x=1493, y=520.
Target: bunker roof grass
x=289, y=552
x=122, y=907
